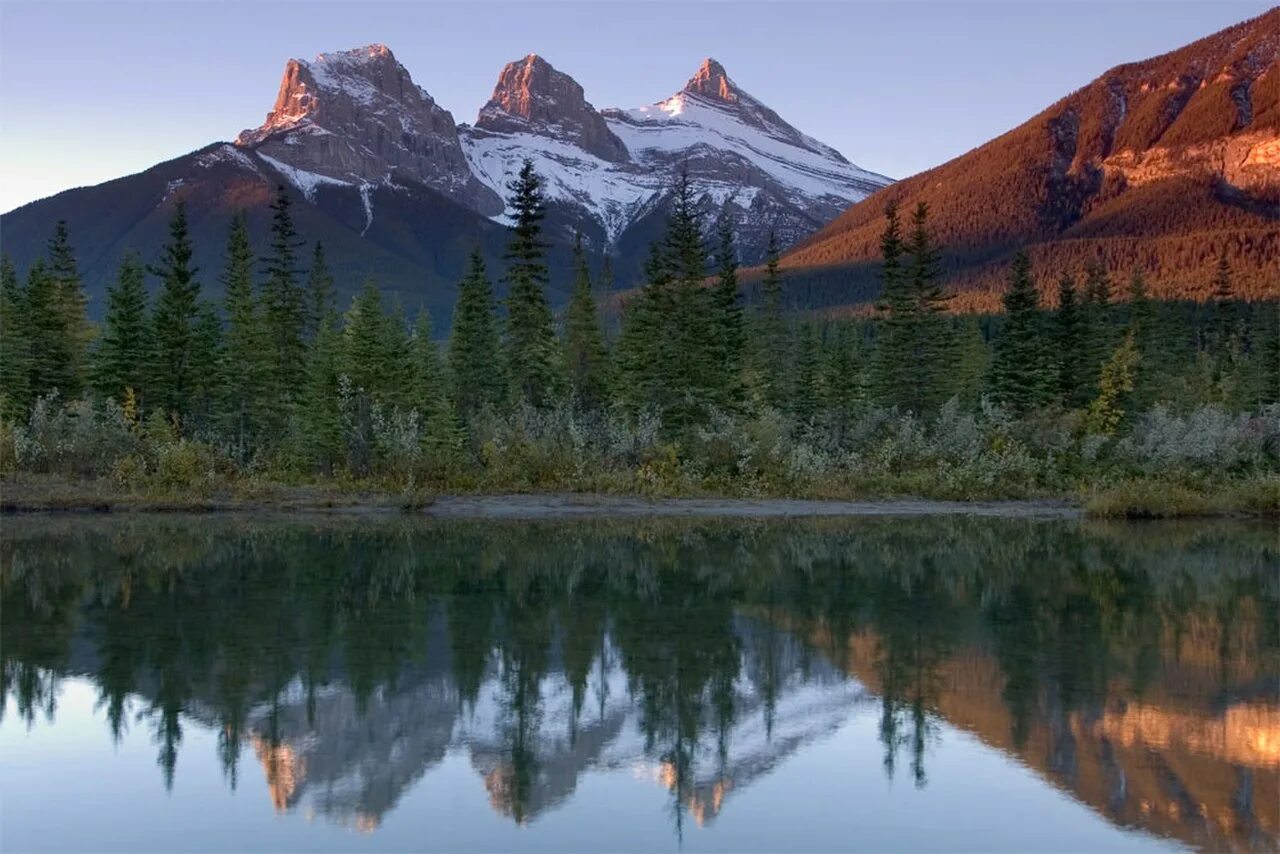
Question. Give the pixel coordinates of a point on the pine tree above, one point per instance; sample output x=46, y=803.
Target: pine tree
x=894, y=337
x=426, y=379
x=398, y=387
x=475, y=369
x=320, y=417
x=285, y=311
x=1070, y=341
x=71, y=302
x=642, y=342
x=531, y=346
x=46, y=336
x=930, y=345
x=771, y=333
x=15, y=345
x=585, y=355
x=121, y=361
x=171, y=381
x=1100, y=340
x=689, y=376
x=206, y=362
x=727, y=317
x=319, y=292
x=804, y=388
x=244, y=404
x=843, y=380
x=1224, y=307
x=1021, y=377
x=1142, y=326
x=366, y=358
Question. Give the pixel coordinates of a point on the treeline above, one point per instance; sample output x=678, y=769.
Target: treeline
x=276, y=379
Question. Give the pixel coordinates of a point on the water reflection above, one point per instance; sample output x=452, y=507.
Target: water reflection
x=1136, y=668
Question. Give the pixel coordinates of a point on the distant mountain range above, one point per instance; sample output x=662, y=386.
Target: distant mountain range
x=398, y=191
x=1157, y=165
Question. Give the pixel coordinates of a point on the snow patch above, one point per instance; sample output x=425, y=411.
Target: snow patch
x=306, y=182
x=366, y=196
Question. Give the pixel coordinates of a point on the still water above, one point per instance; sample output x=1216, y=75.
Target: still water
x=225, y=684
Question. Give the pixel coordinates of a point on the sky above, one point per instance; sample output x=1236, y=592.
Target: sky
x=91, y=91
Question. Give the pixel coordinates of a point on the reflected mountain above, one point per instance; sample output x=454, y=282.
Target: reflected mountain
x=1135, y=668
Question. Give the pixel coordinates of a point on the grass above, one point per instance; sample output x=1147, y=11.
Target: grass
x=1160, y=499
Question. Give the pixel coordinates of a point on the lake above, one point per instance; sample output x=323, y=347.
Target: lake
x=385, y=683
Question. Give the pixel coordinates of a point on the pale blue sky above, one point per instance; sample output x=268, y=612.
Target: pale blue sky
x=94, y=90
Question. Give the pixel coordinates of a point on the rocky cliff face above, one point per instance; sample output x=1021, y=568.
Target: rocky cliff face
x=533, y=97
x=357, y=116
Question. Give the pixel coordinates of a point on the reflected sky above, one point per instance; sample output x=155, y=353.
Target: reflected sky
x=922, y=684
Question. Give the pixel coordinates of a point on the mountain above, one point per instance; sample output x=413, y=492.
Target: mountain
x=399, y=191
x=1157, y=165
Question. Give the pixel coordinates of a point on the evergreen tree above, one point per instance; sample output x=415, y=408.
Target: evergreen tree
x=244, y=404
x=1224, y=307
x=1070, y=341
x=843, y=380
x=689, y=376
x=1142, y=326
x=122, y=358
x=320, y=303
x=728, y=336
x=172, y=380
x=641, y=343
x=771, y=332
x=476, y=375
x=285, y=311
x=1021, y=377
x=1097, y=319
x=585, y=355
x=531, y=346
x=15, y=345
x=206, y=362
x=927, y=330
x=398, y=385
x=320, y=415
x=366, y=357
x=49, y=363
x=899, y=315
x=426, y=375
x=70, y=301
x=804, y=388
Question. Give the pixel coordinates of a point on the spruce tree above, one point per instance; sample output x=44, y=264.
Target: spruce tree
x=398, y=384
x=70, y=302
x=122, y=357
x=1142, y=326
x=771, y=332
x=474, y=358
x=244, y=405
x=585, y=355
x=642, y=342
x=1224, y=307
x=206, y=364
x=930, y=345
x=171, y=381
x=1021, y=377
x=895, y=334
x=285, y=311
x=366, y=358
x=320, y=418
x=1100, y=339
x=320, y=296
x=1070, y=342
x=15, y=345
x=727, y=316
x=804, y=387
x=50, y=363
x=1115, y=383
x=689, y=373
x=531, y=345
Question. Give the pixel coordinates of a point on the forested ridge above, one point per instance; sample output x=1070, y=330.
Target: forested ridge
x=691, y=390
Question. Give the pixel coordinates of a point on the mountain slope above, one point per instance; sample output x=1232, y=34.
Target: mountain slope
x=1156, y=165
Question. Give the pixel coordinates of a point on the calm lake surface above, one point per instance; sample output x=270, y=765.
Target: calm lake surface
x=322, y=684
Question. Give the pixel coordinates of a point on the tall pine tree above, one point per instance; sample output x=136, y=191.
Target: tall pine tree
x=474, y=359
x=727, y=317
x=1022, y=379
x=71, y=302
x=15, y=345
x=771, y=356
x=285, y=311
x=172, y=381
x=245, y=403
x=585, y=355
x=1070, y=342
x=531, y=345
x=320, y=296
x=121, y=360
